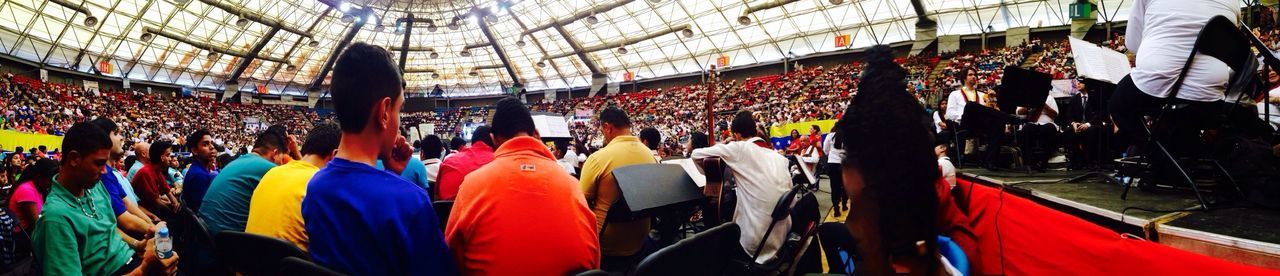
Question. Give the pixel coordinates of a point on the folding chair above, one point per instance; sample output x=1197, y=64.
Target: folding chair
x=801, y=206
x=706, y=253
x=251, y=254
x=1220, y=39
x=443, y=208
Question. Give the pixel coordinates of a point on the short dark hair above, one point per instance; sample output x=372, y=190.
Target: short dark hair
x=105, y=124
x=511, y=117
x=157, y=150
x=481, y=134
x=743, y=124
x=363, y=75
x=615, y=116
x=46, y=149
x=322, y=139
x=651, y=137
x=815, y=127
x=272, y=138
x=431, y=146
x=85, y=138
x=193, y=140
x=698, y=140
x=457, y=143
x=43, y=168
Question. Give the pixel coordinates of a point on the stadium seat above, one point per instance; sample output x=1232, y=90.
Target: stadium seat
x=706, y=253
x=299, y=266
x=250, y=254
x=443, y=208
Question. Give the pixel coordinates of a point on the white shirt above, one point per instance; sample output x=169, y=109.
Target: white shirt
x=834, y=155
x=1275, y=109
x=433, y=169
x=1044, y=118
x=948, y=170
x=1162, y=33
x=762, y=179
x=956, y=102
x=937, y=121
x=569, y=162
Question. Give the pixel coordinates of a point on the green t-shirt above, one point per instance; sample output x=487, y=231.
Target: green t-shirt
x=77, y=236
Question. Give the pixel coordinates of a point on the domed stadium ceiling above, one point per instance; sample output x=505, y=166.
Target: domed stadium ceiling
x=476, y=47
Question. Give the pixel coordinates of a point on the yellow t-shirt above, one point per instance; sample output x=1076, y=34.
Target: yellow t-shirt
x=276, y=207
x=622, y=238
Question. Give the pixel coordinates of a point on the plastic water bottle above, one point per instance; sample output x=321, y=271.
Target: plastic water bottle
x=164, y=244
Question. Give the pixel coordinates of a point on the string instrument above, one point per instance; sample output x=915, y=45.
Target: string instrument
x=719, y=207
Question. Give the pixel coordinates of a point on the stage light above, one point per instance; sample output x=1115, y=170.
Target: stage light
x=432, y=28
x=454, y=26
x=688, y=33
x=465, y=53
x=90, y=21
x=379, y=28
x=435, y=75
x=435, y=55
x=473, y=73
x=837, y=2
x=542, y=64
x=655, y=1
x=313, y=43
x=520, y=43
x=622, y=50
x=211, y=55
x=744, y=20
x=291, y=68
x=592, y=20
x=147, y=36
x=242, y=22
x=348, y=18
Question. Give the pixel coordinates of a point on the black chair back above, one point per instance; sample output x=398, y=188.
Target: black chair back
x=708, y=253
x=443, y=208
x=299, y=266
x=251, y=254
x=1220, y=39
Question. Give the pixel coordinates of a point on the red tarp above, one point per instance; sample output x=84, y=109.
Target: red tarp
x=1037, y=240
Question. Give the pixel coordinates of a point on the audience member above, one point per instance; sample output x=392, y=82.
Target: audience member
x=153, y=187
x=622, y=238
x=200, y=174
x=225, y=206
x=458, y=165
x=27, y=199
x=835, y=155
x=275, y=209
x=430, y=155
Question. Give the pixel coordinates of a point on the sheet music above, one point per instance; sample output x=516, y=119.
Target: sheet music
x=691, y=169
x=551, y=126
x=1099, y=63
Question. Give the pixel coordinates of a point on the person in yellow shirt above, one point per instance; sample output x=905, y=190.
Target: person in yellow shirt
x=275, y=210
x=622, y=239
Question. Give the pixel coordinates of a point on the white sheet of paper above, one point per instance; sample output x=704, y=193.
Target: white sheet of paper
x=551, y=126
x=1099, y=63
x=691, y=169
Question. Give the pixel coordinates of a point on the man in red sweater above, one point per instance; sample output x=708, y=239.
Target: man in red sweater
x=152, y=186
x=456, y=167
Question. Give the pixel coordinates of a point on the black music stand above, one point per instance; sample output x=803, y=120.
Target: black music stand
x=651, y=189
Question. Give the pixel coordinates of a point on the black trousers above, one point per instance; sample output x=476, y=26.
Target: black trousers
x=838, y=196
x=1038, y=143
x=1129, y=104
x=1083, y=147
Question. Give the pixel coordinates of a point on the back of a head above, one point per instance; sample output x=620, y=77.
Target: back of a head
x=615, y=116
x=322, y=140
x=363, y=75
x=481, y=134
x=157, y=150
x=457, y=143
x=651, y=137
x=85, y=138
x=511, y=117
x=275, y=137
x=698, y=140
x=431, y=146
x=105, y=124
x=743, y=124
x=884, y=138
x=43, y=169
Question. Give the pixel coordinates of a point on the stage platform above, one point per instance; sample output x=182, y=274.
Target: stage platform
x=1243, y=235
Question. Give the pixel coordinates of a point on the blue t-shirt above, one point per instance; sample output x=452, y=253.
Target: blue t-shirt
x=226, y=203
x=414, y=172
x=366, y=221
x=112, y=185
x=196, y=184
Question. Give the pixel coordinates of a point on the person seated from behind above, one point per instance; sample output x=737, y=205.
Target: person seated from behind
x=762, y=179
x=901, y=203
x=76, y=232
x=622, y=238
x=651, y=138
x=226, y=204
x=493, y=231
x=275, y=208
x=458, y=165
x=431, y=148
x=361, y=220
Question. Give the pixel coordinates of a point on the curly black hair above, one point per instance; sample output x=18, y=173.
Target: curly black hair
x=884, y=138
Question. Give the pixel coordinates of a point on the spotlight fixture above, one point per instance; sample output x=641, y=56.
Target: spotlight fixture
x=432, y=28
x=837, y=2
x=242, y=22
x=435, y=55
x=454, y=26
x=379, y=28
x=291, y=68
x=622, y=50
x=348, y=18
x=465, y=53
x=313, y=43
x=211, y=55
x=147, y=36
x=473, y=73
x=90, y=21
x=490, y=17
x=744, y=20
x=655, y=1
x=542, y=64
x=435, y=75
x=592, y=20
x=688, y=33
x=520, y=43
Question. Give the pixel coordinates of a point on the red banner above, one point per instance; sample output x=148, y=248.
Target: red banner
x=628, y=76
x=262, y=88
x=105, y=67
x=722, y=61
x=842, y=41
